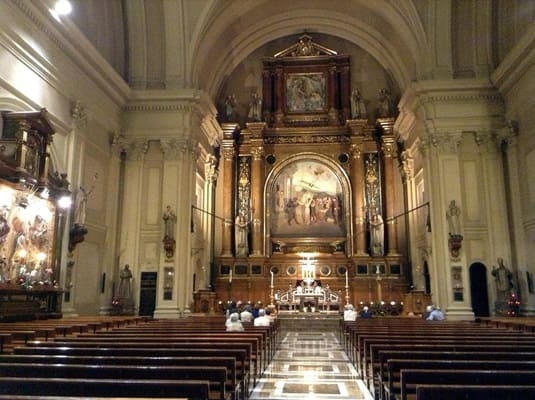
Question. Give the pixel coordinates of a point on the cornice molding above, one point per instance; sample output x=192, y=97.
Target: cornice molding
x=74, y=45
x=516, y=62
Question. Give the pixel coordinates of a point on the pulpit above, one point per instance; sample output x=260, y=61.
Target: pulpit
x=415, y=302
x=204, y=301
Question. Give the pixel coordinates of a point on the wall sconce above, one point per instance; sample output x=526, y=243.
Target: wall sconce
x=455, y=243
x=169, y=247
x=76, y=235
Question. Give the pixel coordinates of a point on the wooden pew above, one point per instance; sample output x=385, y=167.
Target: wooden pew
x=474, y=392
x=233, y=386
x=459, y=346
x=217, y=376
x=5, y=338
x=369, y=367
x=239, y=354
x=249, y=363
x=198, y=390
x=410, y=378
x=394, y=366
x=385, y=355
x=259, y=353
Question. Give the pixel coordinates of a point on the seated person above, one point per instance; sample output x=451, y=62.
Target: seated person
x=349, y=313
x=427, y=312
x=234, y=324
x=246, y=315
x=262, y=320
x=365, y=313
x=436, y=314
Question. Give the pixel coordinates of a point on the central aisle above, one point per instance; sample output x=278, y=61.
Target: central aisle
x=310, y=365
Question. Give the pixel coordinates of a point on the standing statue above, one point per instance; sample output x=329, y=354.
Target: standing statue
x=255, y=108
x=386, y=106
x=169, y=219
x=503, y=278
x=377, y=235
x=453, y=216
x=125, y=288
x=242, y=232
x=230, y=108
x=358, y=108
x=81, y=199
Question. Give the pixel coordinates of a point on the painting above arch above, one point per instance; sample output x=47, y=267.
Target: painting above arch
x=307, y=201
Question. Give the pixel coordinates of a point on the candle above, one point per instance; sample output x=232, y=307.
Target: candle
x=230, y=277
x=271, y=278
x=347, y=282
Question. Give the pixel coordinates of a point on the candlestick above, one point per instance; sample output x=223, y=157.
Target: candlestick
x=230, y=277
x=347, y=282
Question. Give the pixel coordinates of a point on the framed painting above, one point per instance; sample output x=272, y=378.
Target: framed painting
x=306, y=92
x=307, y=201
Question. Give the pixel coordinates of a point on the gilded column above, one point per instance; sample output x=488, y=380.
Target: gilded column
x=257, y=186
x=228, y=152
x=357, y=183
x=388, y=149
x=279, y=82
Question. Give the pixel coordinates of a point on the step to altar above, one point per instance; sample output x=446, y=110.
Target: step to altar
x=313, y=321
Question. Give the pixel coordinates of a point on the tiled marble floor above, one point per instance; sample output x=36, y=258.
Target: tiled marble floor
x=310, y=365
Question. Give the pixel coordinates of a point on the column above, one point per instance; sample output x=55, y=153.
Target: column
x=211, y=174
x=388, y=149
x=257, y=203
x=228, y=152
x=357, y=183
x=279, y=82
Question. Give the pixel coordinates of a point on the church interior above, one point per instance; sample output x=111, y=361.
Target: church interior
x=170, y=159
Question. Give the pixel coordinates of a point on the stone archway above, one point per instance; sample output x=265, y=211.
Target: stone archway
x=478, y=289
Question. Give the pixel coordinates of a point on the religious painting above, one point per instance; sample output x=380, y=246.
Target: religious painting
x=307, y=201
x=305, y=92
x=26, y=238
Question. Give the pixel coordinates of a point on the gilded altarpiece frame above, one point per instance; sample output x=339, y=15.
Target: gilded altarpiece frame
x=308, y=207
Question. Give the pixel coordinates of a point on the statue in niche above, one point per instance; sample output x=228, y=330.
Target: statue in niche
x=377, y=235
x=241, y=227
x=230, y=108
x=358, y=108
x=386, y=106
x=255, y=108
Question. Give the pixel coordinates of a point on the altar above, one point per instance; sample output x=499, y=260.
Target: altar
x=305, y=298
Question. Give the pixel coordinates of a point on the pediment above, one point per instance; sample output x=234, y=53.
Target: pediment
x=305, y=47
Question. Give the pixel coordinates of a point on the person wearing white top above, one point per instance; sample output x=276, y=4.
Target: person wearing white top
x=262, y=320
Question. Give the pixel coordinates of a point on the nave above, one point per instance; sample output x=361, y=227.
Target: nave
x=310, y=365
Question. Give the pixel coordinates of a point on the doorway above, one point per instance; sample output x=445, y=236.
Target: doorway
x=147, y=293
x=478, y=289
